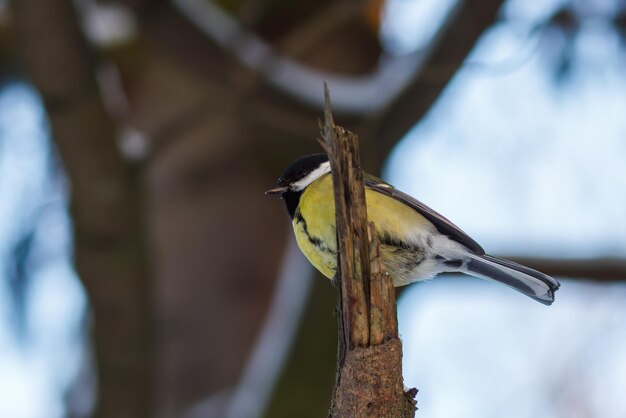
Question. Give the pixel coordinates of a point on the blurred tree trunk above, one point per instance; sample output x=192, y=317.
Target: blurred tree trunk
x=106, y=203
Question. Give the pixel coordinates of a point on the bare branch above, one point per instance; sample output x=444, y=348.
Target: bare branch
x=342, y=148
x=599, y=269
x=369, y=376
x=383, y=318
x=467, y=23
x=316, y=27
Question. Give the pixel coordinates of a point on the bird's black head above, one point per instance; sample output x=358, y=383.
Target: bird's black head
x=297, y=176
x=301, y=168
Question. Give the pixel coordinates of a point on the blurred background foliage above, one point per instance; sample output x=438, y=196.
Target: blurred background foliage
x=144, y=274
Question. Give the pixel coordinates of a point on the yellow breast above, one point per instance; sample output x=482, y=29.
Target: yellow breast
x=314, y=222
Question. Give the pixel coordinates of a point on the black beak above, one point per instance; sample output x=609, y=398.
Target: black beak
x=277, y=191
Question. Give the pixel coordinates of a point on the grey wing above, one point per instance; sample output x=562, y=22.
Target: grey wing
x=440, y=222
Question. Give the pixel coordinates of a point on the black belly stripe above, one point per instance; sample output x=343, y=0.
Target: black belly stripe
x=318, y=243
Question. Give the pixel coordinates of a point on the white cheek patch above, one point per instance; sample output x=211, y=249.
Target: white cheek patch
x=301, y=184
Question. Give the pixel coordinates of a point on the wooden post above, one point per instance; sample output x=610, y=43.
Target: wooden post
x=369, y=367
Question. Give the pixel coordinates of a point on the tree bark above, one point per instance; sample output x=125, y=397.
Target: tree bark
x=106, y=203
x=369, y=376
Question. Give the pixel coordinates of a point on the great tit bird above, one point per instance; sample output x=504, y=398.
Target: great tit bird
x=417, y=243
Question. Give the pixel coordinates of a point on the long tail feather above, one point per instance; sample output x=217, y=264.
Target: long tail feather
x=532, y=283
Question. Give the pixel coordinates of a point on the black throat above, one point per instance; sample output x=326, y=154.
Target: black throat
x=292, y=199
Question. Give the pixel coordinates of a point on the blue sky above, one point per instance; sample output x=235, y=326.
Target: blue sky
x=527, y=166
x=37, y=368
